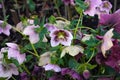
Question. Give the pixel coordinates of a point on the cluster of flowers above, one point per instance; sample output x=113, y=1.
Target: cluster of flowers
x=59, y=36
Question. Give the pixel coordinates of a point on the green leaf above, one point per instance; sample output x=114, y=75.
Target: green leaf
x=29, y=57
x=85, y=66
x=73, y=63
x=36, y=21
x=31, y=5
x=40, y=44
x=52, y=19
x=92, y=42
x=89, y=52
x=81, y=4
x=42, y=33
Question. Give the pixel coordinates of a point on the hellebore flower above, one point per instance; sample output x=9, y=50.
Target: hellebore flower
x=104, y=7
x=53, y=67
x=72, y=73
x=60, y=24
x=7, y=70
x=92, y=4
x=14, y=52
x=5, y=28
x=67, y=2
x=60, y=36
x=50, y=27
x=24, y=76
x=72, y=50
x=113, y=60
x=57, y=77
x=107, y=42
x=112, y=20
x=33, y=35
x=45, y=58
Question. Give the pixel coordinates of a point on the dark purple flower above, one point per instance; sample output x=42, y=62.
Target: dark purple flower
x=57, y=77
x=72, y=73
x=113, y=59
x=112, y=20
x=67, y=2
x=105, y=78
x=24, y=76
x=37, y=70
x=86, y=74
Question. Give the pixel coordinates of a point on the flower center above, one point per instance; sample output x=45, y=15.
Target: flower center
x=61, y=35
x=106, y=5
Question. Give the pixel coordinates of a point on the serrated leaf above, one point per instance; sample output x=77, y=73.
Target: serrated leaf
x=92, y=42
x=73, y=63
x=52, y=19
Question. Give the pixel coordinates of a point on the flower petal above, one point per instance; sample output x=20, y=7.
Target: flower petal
x=6, y=30
x=12, y=45
x=54, y=42
x=72, y=50
x=107, y=42
x=53, y=67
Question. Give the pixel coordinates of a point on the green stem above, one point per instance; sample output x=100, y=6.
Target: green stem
x=57, y=8
x=4, y=11
x=13, y=78
x=62, y=19
x=89, y=28
x=34, y=49
x=76, y=27
x=32, y=53
x=24, y=67
x=91, y=57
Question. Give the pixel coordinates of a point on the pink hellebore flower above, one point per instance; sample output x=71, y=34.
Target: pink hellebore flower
x=104, y=7
x=6, y=71
x=14, y=52
x=107, y=42
x=112, y=20
x=5, y=28
x=33, y=36
x=50, y=27
x=53, y=67
x=92, y=4
x=60, y=36
x=67, y=2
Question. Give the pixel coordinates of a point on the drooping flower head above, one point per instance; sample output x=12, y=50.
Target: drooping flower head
x=53, y=67
x=72, y=73
x=111, y=20
x=14, y=52
x=5, y=28
x=33, y=35
x=6, y=71
x=107, y=42
x=67, y=2
x=92, y=4
x=60, y=36
x=86, y=74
